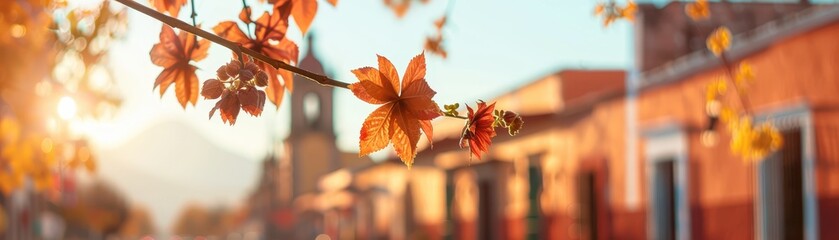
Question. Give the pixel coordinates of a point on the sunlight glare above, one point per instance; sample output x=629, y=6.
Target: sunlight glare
x=66, y=108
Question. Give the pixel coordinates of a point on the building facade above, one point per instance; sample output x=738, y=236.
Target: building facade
x=610, y=154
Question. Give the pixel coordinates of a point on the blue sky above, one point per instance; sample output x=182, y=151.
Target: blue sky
x=493, y=47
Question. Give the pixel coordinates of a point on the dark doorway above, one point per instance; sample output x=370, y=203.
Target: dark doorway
x=534, y=215
x=792, y=184
x=587, y=198
x=781, y=191
x=486, y=228
x=664, y=199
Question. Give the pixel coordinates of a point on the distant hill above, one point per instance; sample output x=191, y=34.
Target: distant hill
x=171, y=164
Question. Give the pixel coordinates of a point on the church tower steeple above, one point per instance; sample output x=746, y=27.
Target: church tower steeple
x=312, y=137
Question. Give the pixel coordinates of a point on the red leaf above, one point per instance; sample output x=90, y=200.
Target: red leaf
x=478, y=132
x=228, y=107
x=252, y=101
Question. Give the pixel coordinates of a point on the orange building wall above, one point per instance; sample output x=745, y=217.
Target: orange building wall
x=804, y=69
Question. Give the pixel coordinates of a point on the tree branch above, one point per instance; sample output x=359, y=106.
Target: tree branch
x=235, y=47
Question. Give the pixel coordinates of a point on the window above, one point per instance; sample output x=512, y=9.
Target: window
x=534, y=215
x=311, y=108
x=667, y=167
x=780, y=191
x=786, y=206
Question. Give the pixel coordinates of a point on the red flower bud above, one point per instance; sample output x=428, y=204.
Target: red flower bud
x=245, y=75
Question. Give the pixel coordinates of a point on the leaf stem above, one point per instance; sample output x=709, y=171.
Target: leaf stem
x=456, y=116
x=235, y=47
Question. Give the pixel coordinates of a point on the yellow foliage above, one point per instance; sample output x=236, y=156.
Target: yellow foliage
x=628, y=12
x=611, y=12
x=745, y=74
x=753, y=143
x=32, y=156
x=716, y=89
x=719, y=41
x=698, y=10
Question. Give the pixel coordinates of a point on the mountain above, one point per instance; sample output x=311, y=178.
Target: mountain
x=171, y=165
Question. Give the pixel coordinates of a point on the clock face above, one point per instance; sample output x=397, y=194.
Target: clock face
x=311, y=107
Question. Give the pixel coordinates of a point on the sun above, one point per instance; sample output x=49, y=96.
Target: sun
x=66, y=108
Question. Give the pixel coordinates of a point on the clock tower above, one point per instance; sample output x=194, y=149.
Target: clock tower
x=311, y=141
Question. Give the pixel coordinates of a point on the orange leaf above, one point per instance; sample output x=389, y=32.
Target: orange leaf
x=333, y=2
x=405, y=134
x=375, y=132
x=428, y=129
x=435, y=46
x=402, y=116
x=415, y=71
x=174, y=53
x=399, y=7
x=304, y=12
x=245, y=15
x=170, y=6
x=371, y=88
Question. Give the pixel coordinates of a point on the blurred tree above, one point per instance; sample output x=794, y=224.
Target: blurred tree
x=138, y=224
x=52, y=72
x=100, y=208
x=197, y=220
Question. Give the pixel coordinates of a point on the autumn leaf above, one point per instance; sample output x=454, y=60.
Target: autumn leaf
x=753, y=143
x=719, y=41
x=479, y=129
x=174, y=53
x=612, y=12
x=439, y=23
x=435, y=46
x=698, y=10
x=269, y=39
x=399, y=7
x=304, y=12
x=402, y=114
x=170, y=6
x=333, y=2
x=628, y=12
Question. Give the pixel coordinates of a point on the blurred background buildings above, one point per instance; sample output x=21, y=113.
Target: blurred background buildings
x=619, y=154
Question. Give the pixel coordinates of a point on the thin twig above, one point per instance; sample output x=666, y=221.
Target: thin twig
x=192, y=3
x=744, y=102
x=247, y=24
x=193, y=16
x=235, y=47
